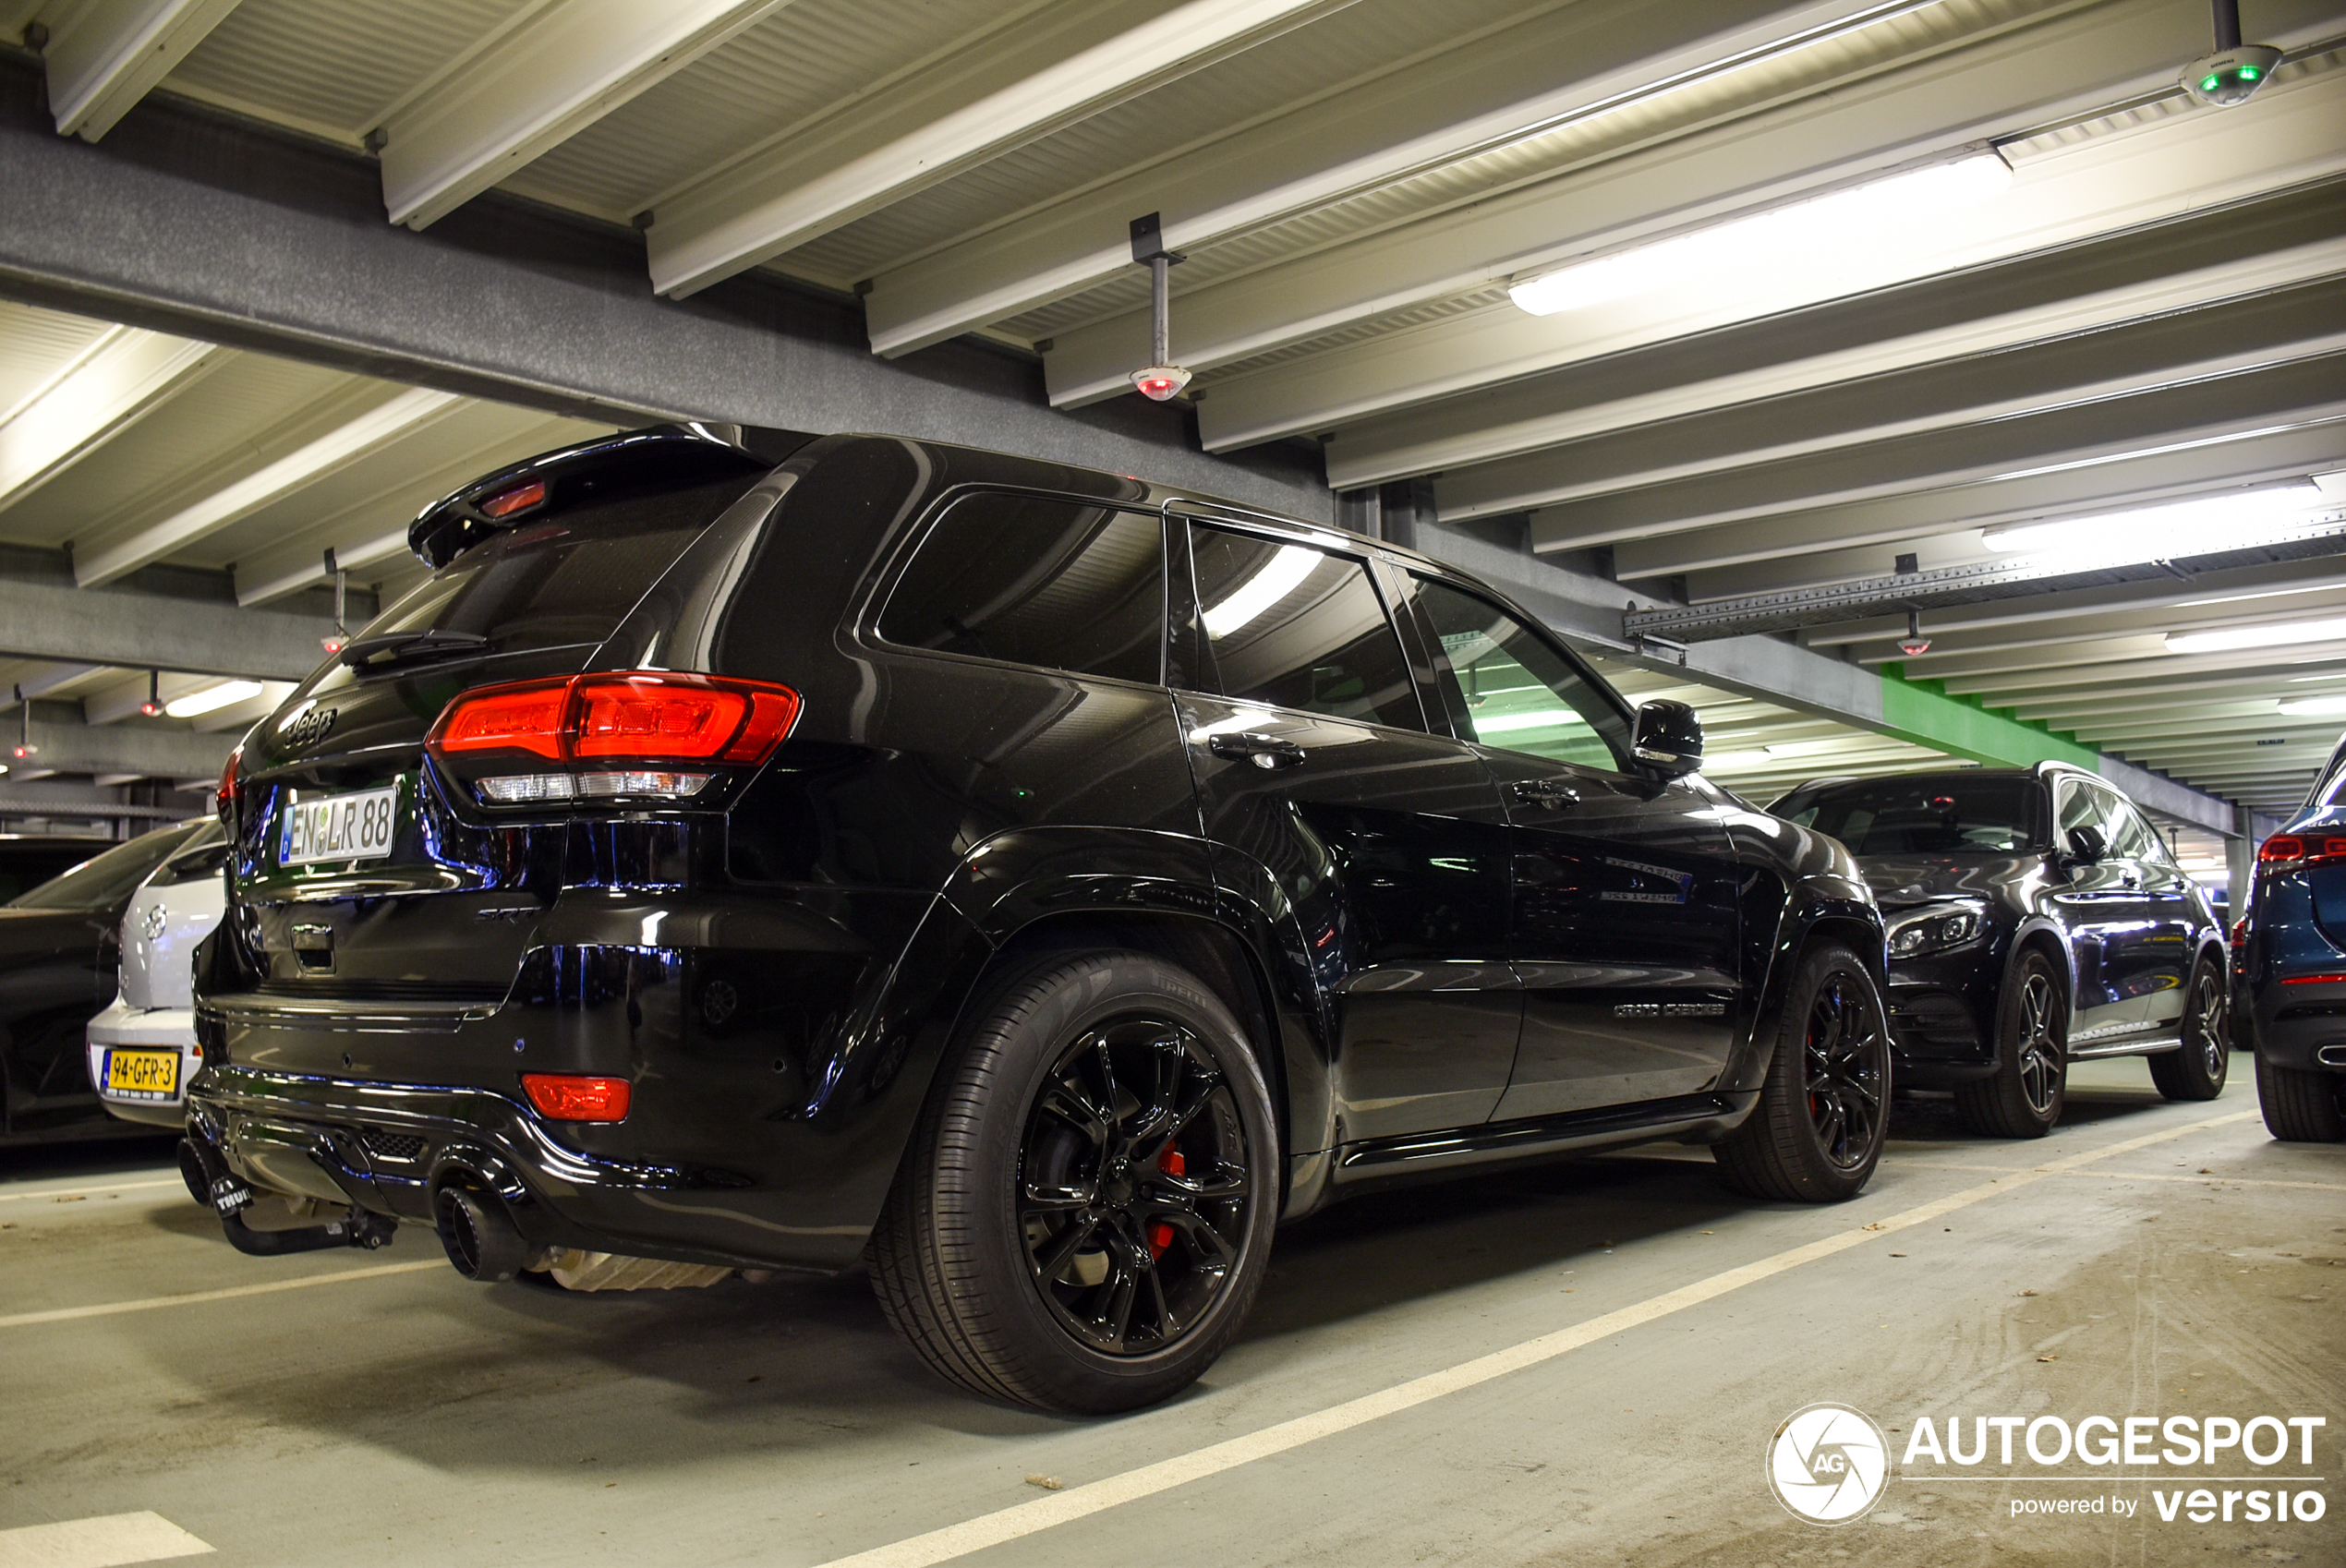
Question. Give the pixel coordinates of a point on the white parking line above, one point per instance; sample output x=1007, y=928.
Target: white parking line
x=149, y=1304
x=56, y=1193
x=2208, y=1178
x=1077, y=1503
x=103, y=1542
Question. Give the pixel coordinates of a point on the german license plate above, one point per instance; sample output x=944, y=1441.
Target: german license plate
x=143, y=1075
x=355, y=827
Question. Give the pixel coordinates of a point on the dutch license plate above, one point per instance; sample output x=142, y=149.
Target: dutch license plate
x=143, y=1075
x=355, y=827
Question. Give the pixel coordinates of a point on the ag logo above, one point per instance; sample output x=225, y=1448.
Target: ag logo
x=1827, y=1463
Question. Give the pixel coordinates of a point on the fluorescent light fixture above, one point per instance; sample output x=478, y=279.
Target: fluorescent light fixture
x=2155, y=533
x=2315, y=704
x=1806, y=243
x=208, y=699
x=2228, y=638
x=1258, y=593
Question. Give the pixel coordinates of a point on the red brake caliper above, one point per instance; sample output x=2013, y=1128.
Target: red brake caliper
x=1161, y=1233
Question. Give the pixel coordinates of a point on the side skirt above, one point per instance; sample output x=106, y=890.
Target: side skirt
x=1691, y=1118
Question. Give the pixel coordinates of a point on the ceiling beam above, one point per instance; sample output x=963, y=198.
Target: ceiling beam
x=1812, y=429
x=565, y=67
x=2179, y=468
x=1061, y=64
x=1973, y=318
x=314, y=460
x=53, y=619
x=1489, y=91
x=2210, y=410
x=2020, y=75
x=104, y=55
x=127, y=373
x=65, y=745
x=2316, y=582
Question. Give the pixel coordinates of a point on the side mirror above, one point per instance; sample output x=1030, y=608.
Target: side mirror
x=2086, y=846
x=1669, y=738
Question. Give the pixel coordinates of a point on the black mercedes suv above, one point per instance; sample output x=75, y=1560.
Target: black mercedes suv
x=755, y=852
x=2290, y=947
x=2036, y=918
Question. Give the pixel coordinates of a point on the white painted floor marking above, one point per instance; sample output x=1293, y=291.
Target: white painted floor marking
x=1078, y=1502
x=104, y=1542
x=149, y=1304
x=53, y=1193
x=2207, y=1177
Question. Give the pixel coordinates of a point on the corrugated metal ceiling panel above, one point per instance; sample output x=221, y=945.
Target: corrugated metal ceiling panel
x=332, y=67
x=797, y=64
x=37, y=347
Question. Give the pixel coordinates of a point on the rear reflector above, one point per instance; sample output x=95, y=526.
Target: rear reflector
x=634, y=716
x=2314, y=980
x=566, y=1097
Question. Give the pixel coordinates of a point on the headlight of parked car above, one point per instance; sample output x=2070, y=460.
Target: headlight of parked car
x=1933, y=930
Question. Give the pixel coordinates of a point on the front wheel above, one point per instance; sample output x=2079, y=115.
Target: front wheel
x=1818, y=1130
x=1084, y=1216
x=2025, y=1096
x=2197, y=1071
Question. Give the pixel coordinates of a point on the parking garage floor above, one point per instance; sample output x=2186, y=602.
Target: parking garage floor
x=1578, y=1363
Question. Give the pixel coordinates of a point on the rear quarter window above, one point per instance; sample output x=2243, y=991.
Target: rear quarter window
x=1036, y=579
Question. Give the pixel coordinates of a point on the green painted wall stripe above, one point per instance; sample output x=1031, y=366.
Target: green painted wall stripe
x=1921, y=711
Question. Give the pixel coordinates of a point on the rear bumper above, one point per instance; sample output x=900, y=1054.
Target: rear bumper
x=145, y=1029
x=386, y=1146
x=2299, y=1026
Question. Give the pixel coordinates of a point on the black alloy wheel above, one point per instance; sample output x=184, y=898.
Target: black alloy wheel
x=2197, y=1069
x=1084, y=1214
x=1822, y=1117
x=2024, y=1096
x=1132, y=1185
x=1844, y=1072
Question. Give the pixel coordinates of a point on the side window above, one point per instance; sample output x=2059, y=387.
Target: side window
x=1037, y=580
x=2130, y=836
x=1299, y=628
x=1511, y=688
x=2078, y=809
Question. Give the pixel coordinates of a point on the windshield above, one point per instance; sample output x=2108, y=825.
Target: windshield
x=107, y=879
x=1933, y=816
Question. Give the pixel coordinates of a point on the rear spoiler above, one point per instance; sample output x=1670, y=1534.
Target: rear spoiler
x=678, y=454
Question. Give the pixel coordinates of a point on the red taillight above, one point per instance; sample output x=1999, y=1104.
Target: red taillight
x=2239, y=932
x=567, y=1097
x=530, y=718
x=2314, y=980
x=223, y=801
x=521, y=498
x=636, y=716
x=2290, y=849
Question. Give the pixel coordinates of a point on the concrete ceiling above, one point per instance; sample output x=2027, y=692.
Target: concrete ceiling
x=2151, y=308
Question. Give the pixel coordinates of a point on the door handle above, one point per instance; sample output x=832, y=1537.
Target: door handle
x=1263, y=751
x=1544, y=793
x=2131, y=880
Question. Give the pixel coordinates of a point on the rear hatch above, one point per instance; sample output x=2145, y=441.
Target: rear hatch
x=359, y=879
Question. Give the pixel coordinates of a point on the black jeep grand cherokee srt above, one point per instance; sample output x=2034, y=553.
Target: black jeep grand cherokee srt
x=757, y=852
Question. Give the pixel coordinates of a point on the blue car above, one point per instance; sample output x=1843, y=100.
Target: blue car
x=2291, y=958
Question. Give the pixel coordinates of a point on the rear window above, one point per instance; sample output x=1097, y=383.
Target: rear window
x=568, y=578
x=1298, y=628
x=1036, y=579
x=1906, y=816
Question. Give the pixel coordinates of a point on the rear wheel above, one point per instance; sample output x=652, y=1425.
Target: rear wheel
x=2024, y=1097
x=2300, y=1106
x=1085, y=1215
x=2197, y=1071
x=1816, y=1133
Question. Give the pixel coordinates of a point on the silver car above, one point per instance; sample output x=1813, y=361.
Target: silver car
x=142, y=1048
